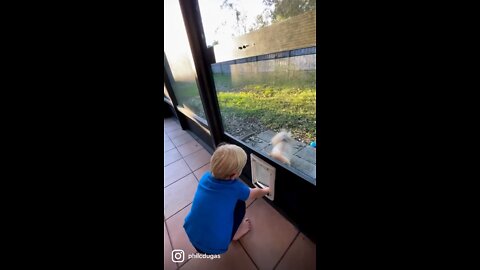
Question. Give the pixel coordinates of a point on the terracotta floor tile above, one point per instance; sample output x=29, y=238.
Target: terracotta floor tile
x=234, y=259
x=270, y=236
x=171, y=156
x=179, y=194
x=301, y=255
x=199, y=172
x=167, y=145
x=167, y=251
x=171, y=120
x=249, y=202
x=189, y=148
x=175, y=171
x=182, y=139
x=177, y=232
x=169, y=124
x=169, y=127
x=177, y=133
x=197, y=159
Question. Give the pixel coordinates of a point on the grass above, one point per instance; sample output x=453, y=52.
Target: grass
x=275, y=107
x=185, y=90
x=288, y=103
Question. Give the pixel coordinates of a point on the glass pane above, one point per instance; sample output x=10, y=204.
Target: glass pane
x=224, y=19
x=270, y=85
x=179, y=62
x=165, y=93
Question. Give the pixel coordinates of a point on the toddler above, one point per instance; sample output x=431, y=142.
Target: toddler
x=218, y=208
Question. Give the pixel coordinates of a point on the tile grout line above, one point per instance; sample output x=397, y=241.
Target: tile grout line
x=189, y=167
x=171, y=162
x=196, y=178
x=171, y=126
x=169, y=239
x=193, y=171
x=178, y=179
x=190, y=153
x=286, y=250
x=168, y=149
x=199, y=141
x=168, y=232
x=251, y=259
x=170, y=131
x=183, y=264
x=183, y=142
x=283, y=255
x=244, y=249
x=165, y=219
x=174, y=130
x=252, y=203
x=171, y=243
x=177, y=212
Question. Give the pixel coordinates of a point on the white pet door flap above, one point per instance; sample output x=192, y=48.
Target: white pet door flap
x=263, y=175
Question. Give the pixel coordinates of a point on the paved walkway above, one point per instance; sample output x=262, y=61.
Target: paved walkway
x=302, y=157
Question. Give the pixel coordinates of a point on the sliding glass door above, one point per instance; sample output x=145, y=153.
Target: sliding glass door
x=243, y=71
x=179, y=63
x=264, y=70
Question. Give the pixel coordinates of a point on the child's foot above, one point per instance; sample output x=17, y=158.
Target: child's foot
x=244, y=227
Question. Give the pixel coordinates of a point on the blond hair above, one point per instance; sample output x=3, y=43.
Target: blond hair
x=227, y=159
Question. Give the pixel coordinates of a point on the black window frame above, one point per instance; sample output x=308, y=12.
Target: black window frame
x=295, y=192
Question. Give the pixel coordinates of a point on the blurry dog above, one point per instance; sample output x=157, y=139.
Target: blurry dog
x=281, y=146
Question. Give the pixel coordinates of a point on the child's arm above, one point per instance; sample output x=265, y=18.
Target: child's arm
x=258, y=192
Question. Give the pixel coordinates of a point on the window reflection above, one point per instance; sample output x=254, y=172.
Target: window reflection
x=265, y=74
x=179, y=62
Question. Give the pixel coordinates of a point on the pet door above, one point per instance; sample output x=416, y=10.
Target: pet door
x=263, y=175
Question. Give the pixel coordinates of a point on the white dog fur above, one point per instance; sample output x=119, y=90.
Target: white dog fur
x=281, y=146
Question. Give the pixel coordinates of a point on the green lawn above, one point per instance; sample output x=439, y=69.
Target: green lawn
x=276, y=107
x=282, y=103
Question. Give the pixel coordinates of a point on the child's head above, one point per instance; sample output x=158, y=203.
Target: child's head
x=227, y=161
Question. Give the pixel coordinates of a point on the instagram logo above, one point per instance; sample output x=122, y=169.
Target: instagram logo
x=178, y=255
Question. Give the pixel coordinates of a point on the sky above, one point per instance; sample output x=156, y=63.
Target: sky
x=213, y=16
x=176, y=45
x=178, y=49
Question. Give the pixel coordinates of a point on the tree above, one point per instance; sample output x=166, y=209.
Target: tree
x=275, y=11
x=285, y=9
x=240, y=27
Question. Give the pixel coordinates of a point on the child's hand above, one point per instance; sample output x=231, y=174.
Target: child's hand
x=266, y=190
